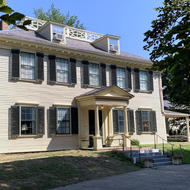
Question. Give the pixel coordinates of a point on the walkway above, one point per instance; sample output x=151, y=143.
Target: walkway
x=164, y=178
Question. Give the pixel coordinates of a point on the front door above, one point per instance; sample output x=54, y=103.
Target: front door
x=91, y=116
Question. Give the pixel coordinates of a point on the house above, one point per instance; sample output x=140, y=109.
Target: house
x=67, y=88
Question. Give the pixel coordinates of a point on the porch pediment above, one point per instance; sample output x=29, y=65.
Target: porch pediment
x=110, y=96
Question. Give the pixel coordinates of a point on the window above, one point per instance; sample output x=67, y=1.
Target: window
x=121, y=80
x=63, y=121
x=94, y=74
x=146, y=121
x=28, y=120
x=143, y=80
x=27, y=66
x=118, y=121
x=57, y=29
x=113, y=44
x=62, y=70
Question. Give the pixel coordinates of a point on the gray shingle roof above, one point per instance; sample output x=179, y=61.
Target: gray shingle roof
x=70, y=43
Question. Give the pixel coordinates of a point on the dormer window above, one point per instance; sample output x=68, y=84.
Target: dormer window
x=58, y=32
x=113, y=43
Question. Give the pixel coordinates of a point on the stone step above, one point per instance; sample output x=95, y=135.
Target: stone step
x=164, y=159
x=157, y=164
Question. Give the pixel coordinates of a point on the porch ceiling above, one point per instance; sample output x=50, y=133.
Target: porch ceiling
x=107, y=96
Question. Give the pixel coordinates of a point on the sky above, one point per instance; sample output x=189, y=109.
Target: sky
x=129, y=19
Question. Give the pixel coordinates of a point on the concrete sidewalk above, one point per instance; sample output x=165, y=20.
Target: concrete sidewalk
x=164, y=178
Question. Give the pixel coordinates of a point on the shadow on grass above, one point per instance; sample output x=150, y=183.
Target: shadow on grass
x=45, y=173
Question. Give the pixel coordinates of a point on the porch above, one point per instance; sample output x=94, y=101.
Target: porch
x=96, y=119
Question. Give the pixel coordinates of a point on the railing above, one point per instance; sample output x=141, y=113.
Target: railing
x=69, y=32
x=163, y=144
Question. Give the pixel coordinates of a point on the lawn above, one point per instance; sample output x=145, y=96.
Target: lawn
x=52, y=169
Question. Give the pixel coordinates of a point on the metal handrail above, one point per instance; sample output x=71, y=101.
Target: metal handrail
x=163, y=147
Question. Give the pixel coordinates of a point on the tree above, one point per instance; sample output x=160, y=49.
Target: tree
x=55, y=15
x=169, y=44
x=11, y=17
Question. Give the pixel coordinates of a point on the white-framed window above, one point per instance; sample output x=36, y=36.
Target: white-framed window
x=146, y=121
x=63, y=121
x=143, y=77
x=121, y=77
x=28, y=120
x=118, y=120
x=62, y=70
x=57, y=29
x=28, y=65
x=113, y=44
x=94, y=74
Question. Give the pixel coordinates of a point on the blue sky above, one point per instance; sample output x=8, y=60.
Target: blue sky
x=128, y=19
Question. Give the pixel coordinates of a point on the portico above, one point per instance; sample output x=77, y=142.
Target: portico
x=96, y=121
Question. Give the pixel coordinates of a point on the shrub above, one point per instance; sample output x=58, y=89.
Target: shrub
x=135, y=142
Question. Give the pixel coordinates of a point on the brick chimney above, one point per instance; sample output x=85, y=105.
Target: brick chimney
x=3, y=25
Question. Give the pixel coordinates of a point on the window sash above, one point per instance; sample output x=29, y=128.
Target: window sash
x=146, y=124
x=120, y=121
x=63, y=121
x=143, y=80
x=27, y=66
x=121, y=77
x=28, y=120
x=62, y=70
x=94, y=74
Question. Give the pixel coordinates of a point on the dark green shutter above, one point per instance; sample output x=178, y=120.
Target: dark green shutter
x=113, y=75
x=40, y=120
x=52, y=124
x=52, y=68
x=167, y=125
x=153, y=124
x=15, y=120
x=103, y=74
x=130, y=115
x=139, y=121
x=128, y=78
x=85, y=72
x=150, y=81
x=15, y=63
x=73, y=71
x=40, y=66
x=74, y=120
x=115, y=121
x=136, y=79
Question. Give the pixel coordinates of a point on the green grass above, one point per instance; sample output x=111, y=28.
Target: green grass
x=56, y=169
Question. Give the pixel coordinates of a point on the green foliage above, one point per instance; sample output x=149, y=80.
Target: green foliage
x=169, y=44
x=135, y=142
x=11, y=17
x=55, y=15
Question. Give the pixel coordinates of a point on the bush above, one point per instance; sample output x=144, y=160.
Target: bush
x=135, y=142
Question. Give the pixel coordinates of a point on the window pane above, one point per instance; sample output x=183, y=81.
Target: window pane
x=145, y=121
x=27, y=66
x=121, y=77
x=143, y=80
x=94, y=74
x=62, y=68
x=28, y=120
x=63, y=118
x=120, y=121
x=57, y=29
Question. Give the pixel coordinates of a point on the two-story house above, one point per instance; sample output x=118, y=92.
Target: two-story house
x=67, y=88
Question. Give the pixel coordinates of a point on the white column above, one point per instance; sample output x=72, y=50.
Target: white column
x=188, y=133
x=97, y=128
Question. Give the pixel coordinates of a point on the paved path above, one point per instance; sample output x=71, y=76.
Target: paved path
x=163, y=178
